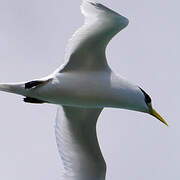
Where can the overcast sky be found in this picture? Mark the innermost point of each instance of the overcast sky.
(136, 146)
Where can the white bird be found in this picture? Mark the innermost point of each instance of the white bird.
(82, 87)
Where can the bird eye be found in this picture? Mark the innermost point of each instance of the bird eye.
(147, 97)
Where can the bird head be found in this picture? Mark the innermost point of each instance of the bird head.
(149, 109)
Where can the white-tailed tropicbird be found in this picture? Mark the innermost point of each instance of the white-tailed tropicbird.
(82, 87)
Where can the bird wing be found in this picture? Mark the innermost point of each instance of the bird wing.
(77, 143)
(86, 48)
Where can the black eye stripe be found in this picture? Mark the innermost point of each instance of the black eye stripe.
(147, 97)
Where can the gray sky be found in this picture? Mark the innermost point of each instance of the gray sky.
(33, 36)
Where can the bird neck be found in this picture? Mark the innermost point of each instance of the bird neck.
(79, 150)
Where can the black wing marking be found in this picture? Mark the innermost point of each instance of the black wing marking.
(33, 84)
(33, 100)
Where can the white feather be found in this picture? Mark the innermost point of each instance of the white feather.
(77, 143)
(86, 48)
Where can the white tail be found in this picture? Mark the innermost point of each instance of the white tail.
(17, 88)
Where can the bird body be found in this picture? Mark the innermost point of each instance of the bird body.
(86, 89)
(82, 87)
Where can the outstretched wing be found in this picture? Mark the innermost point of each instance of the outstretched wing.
(86, 49)
(77, 143)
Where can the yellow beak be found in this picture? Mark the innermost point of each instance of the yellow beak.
(155, 114)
